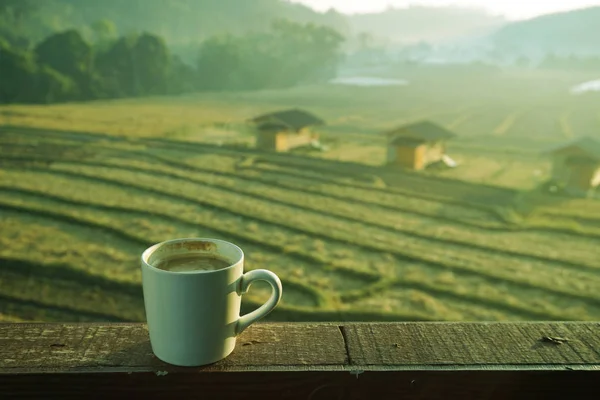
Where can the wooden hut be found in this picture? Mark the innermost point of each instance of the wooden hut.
(576, 166)
(417, 145)
(285, 130)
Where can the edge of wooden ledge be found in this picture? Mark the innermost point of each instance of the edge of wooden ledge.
(342, 347)
(348, 369)
(330, 323)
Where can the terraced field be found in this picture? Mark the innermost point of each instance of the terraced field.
(350, 241)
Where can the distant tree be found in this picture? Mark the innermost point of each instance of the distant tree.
(24, 82)
(182, 77)
(104, 33)
(365, 41)
(17, 10)
(17, 70)
(219, 63)
(52, 87)
(104, 29)
(12, 16)
(115, 66)
(571, 62)
(151, 62)
(289, 54)
(311, 52)
(67, 53)
(550, 61)
(135, 65)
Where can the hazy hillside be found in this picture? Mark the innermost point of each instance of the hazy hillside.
(569, 32)
(430, 24)
(178, 21)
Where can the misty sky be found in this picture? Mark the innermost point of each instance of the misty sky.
(513, 9)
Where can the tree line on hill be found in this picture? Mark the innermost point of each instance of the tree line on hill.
(179, 22)
(66, 67)
(571, 62)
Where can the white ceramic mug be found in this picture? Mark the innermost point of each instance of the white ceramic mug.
(194, 316)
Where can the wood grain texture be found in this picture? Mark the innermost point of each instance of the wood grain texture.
(490, 361)
(475, 345)
(39, 348)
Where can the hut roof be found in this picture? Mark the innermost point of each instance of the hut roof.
(271, 126)
(294, 119)
(422, 131)
(585, 145)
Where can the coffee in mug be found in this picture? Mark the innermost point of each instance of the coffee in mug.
(192, 296)
(193, 262)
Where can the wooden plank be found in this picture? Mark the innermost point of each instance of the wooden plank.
(489, 361)
(471, 346)
(41, 348)
(284, 346)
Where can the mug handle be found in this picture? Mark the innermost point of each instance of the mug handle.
(247, 279)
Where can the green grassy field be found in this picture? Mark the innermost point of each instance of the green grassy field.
(85, 188)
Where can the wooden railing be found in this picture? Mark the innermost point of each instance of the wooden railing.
(310, 361)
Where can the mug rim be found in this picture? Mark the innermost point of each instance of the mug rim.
(150, 250)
